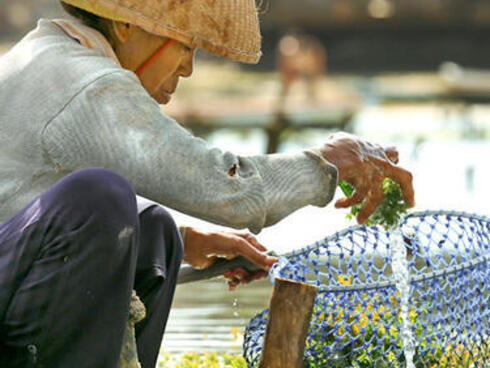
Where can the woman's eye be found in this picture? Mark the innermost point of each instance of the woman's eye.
(187, 50)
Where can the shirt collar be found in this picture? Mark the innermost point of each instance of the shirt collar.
(87, 37)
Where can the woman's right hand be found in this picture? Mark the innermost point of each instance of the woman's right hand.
(202, 248)
(365, 165)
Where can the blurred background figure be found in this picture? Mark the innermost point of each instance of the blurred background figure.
(300, 56)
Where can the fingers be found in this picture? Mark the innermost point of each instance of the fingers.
(242, 276)
(235, 277)
(373, 200)
(231, 245)
(365, 165)
(244, 248)
(247, 246)
(355, 198)
(259, 259)
(392, 154)
(252, 240)
(404, 178)
(374, 196)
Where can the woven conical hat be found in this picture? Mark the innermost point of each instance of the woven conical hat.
(228, 28)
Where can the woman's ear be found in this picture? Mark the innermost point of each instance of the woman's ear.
(122, 31)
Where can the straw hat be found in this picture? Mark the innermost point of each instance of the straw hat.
(228, 28)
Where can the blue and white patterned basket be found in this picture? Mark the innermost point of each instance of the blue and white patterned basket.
(357, 321)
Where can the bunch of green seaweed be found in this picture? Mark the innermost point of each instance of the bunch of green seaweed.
(389, 212)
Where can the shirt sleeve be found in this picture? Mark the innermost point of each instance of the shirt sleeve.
(115, 124)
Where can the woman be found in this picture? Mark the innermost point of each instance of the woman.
(76, 240)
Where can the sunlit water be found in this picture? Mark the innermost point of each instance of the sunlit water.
(206, 316)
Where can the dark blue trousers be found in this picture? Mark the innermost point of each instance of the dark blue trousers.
(68, 263)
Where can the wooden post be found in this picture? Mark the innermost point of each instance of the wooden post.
(290, 312)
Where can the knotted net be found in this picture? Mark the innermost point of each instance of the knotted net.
(357, 319)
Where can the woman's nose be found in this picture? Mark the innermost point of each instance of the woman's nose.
(187, 64)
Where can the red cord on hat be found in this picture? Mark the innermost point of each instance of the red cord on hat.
(153, 57)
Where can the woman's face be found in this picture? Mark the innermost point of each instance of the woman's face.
(161, 76)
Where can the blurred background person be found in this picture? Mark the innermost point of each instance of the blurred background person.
(300, 57)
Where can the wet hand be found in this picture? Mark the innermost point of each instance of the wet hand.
(242, 276)
(201, 249)
(365, 165)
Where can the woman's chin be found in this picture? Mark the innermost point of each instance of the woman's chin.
(162, 97)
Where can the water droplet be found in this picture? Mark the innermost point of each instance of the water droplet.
(235, 307)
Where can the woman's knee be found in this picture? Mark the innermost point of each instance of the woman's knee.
(159, 216)
(97, 192)
(157, 223)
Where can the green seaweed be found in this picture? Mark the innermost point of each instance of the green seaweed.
(389, 212)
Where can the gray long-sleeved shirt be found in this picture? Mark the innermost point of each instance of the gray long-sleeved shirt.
(64, 107)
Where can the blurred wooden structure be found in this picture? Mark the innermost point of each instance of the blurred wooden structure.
(455, 89)
(344, 13)
(360, 35)
(203, 121)
(454, 84)
(383, 35)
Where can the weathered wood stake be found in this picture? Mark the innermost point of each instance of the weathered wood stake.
(290, 312)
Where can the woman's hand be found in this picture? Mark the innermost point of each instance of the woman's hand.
(201, 249)
(365, 165)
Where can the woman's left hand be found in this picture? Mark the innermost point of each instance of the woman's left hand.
(365, 165)
(202, 248)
